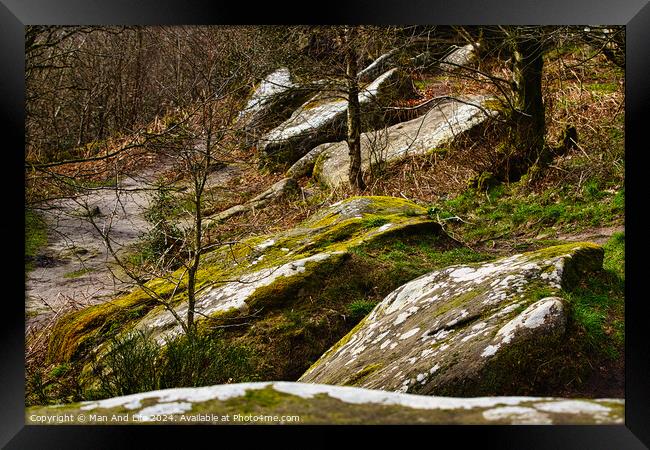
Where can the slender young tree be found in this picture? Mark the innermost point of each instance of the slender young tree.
(354, 109)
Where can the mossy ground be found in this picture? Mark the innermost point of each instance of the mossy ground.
(35, 236)
(506, 212)
(78, 273)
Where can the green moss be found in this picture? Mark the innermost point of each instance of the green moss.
(539, 292)
(597, 304)
(60, 370)
(496, 105)
(267, 398)
(438, 151)
(78, 273)
(357, 378)
(604, 88)
(458, 301)
(374, 221)
(78, 331)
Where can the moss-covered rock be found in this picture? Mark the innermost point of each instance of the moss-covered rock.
(298, 403)
(465, 330)
(285, 294)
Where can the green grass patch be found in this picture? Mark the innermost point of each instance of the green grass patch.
(598, 303)
(35, 236)
(60, 370)
(137, 363)
(506, 211)
(605, 88)
(78, 273)
(360, 308)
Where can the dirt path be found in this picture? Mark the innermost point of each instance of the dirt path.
(73, 270)
(597, 235)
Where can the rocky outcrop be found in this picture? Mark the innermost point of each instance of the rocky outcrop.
(272, 101)
(288, 258)
(323, 119)
(258, 283)
(379, 65)
(464, 330)
(455, 58)
(305, 165)
(300, 403)
(459, 57)
(425, 134)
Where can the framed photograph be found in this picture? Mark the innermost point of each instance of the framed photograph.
(378, 215)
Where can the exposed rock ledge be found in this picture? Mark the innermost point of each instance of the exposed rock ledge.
(323, 118)
(273, 402)
(425, 134)
(463, 330)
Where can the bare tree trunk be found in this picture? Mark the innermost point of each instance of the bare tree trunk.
(194, 265)
(199, 182)
(528, 120)
(200, 168)
(354, 112)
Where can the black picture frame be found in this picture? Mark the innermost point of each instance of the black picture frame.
(15, 14)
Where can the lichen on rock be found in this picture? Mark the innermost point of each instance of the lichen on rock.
(301, 403)
(449, 330)
(270, 103)
(436, 128)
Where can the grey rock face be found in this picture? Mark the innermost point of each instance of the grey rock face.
(379, 65)
(272, 101)
(450, 328)
(459, 57)
(456, 58)
(437, 128)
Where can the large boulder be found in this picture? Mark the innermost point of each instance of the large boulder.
(299, 403)
(271, 102)
(280, 293)
(379, 65)
(465, 330)
(324, 117)
(459, 57)
(455, 58)
(428, 133)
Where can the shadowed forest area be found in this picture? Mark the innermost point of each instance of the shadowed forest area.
(349, 224)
